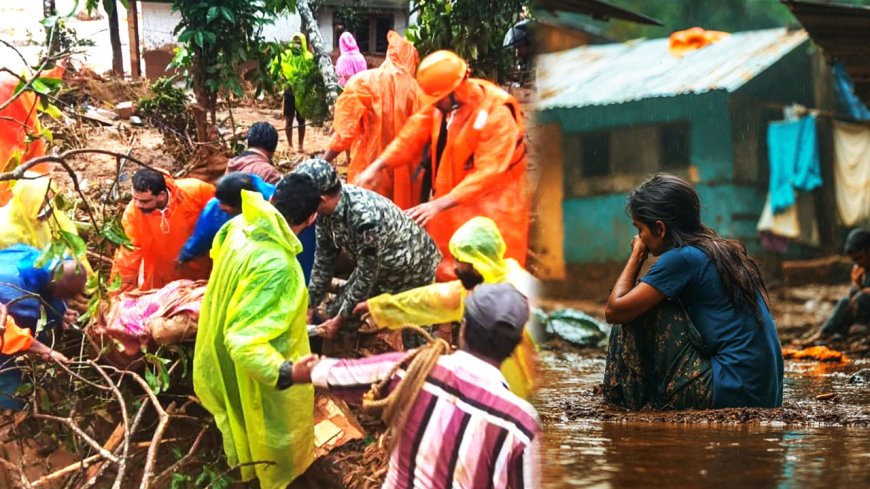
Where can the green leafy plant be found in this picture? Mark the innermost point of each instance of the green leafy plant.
(474, 29)
(216, 38)
(166, 109)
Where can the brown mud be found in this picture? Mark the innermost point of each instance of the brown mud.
(819, 438)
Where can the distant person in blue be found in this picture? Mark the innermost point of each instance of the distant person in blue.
(27, 291)
(226, 204)
(695, 332)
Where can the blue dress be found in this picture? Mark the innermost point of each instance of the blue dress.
(746, 356)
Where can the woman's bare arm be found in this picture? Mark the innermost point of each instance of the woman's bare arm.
(629, 300)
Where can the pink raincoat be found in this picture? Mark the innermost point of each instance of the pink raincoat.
(351, 60)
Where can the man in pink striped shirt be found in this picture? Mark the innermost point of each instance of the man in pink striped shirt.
(466, 428)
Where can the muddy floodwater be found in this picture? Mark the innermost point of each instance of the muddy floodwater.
(806, 444)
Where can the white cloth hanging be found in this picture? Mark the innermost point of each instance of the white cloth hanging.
(852, 172)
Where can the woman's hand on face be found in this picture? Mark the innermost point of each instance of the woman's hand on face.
(638, 248)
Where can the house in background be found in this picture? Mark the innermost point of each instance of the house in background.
(613, 115)
(369, 21)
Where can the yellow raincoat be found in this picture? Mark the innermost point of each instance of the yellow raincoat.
(253, 318)
(479, 243)
(19, 221)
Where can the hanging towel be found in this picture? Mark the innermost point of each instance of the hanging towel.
(796, 223)
(793, 152)
(852, 172)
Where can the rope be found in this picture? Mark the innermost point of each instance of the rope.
(394, 408)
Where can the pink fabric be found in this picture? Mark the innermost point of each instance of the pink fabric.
(127, 319)
(175, 298)
(351, 60)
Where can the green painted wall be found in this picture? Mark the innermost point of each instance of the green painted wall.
(597, 228)
(707, 114)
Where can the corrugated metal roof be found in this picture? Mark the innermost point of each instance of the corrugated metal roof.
(636, 70)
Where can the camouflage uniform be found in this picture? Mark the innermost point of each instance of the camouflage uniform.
(391, 252)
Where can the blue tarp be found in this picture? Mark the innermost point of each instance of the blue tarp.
(847, 102)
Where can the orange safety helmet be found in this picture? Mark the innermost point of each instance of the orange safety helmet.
(441, 73)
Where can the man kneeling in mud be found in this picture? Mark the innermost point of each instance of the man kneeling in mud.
(451, 419)
(854, 308)
(696, 331)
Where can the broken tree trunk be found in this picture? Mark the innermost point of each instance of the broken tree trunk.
(321, 55)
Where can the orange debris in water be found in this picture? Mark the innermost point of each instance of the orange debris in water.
(821, 353)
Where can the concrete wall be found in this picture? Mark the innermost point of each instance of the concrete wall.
(158, 22)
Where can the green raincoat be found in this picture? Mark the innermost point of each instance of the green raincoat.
(253, 318)
(298, 68)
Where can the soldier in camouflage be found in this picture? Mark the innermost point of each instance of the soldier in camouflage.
(391, 253)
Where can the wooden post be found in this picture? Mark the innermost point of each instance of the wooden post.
(826, 205)
(133, 33)
(321, 54)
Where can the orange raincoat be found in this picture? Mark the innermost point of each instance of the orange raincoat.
(15, 339)
(370, 112)
(159, 236)
(483, 166)
(13, 135)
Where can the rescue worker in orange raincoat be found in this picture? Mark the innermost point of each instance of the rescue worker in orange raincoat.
(158, 221)
(18, 120)
(371, 111)
(478, 156)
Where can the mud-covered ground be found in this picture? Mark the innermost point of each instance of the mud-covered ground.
(798, 312)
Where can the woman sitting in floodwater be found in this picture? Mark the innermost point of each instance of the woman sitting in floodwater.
(696, 331)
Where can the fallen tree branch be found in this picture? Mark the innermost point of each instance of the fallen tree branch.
(69, 469)
(122, 465)
(151, 459)
(78, 431)
(166, 474)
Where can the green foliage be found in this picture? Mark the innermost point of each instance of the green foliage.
(110, 231)
(166, 107)
(108, 5)
(217, 37)
(156, 373)
(474, 29)
(59, 37)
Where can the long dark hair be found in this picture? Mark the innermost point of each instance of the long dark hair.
(674, 202)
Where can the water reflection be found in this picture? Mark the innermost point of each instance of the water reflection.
(592, 453)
